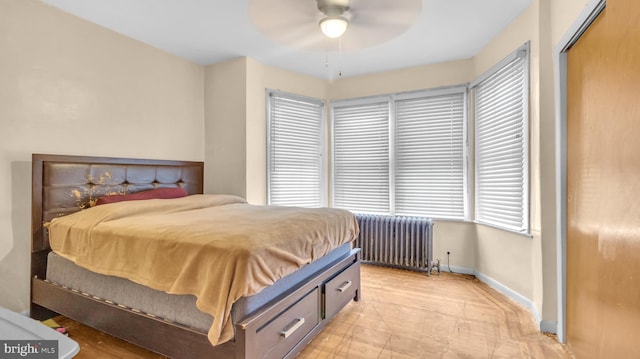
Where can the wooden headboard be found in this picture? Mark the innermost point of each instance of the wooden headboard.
(62, 185)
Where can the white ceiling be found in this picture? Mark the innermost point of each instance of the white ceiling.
(210, 31)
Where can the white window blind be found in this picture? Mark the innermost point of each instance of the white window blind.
(361, 157)
(402, 154)
(295, 147)
(430, 158)
(501, 155)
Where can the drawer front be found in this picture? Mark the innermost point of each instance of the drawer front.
(341, 289)
(279, 336)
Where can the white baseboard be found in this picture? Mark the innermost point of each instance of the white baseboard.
(457, 269)
(546, 326)
(517, 297)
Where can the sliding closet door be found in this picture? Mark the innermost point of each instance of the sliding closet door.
(603, 186)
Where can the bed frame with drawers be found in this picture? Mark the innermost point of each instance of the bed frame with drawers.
(280, 329)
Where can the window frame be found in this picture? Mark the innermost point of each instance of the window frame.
(524, 53)
(322, 181)
(391, 99)
(355, 102)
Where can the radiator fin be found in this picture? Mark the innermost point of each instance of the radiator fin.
(396, 241)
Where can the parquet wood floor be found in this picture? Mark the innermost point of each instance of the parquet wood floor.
(402, 314)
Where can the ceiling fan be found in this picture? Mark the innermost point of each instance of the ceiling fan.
(312, 24)
(336, 19)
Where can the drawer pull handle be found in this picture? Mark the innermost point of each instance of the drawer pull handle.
(344, 286)
(292, 327)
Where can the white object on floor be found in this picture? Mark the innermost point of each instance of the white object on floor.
(14, 326)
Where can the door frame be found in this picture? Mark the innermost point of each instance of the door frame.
(589, 13)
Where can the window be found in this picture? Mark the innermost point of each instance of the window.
(406, 154)
(501, 155)
(294, 150)
(361, 156)
(401, 154)
(430, 156)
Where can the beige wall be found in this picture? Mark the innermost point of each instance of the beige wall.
(512, 259)
(529, 265)
(236, 124)
(260, 78)
(225, 127)
(408, 79)
(71, 87)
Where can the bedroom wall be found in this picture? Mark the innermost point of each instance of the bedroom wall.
(403, 80)
(529, 265)
(236, 124)
(261, 77)
(71, 87)
(510, 259)
(225, 127)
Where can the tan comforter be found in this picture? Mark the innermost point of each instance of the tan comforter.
(216, 247)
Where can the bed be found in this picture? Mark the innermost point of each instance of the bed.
(275, 321)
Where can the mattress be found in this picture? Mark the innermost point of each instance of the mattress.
(176, 308)
(217, 247)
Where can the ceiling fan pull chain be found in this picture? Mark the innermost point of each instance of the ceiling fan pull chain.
(340, 57)
(326, 57)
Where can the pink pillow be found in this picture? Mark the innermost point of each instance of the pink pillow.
(162, 193)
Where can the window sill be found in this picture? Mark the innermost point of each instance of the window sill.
(524, 234)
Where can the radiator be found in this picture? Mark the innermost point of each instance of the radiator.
(396, 241)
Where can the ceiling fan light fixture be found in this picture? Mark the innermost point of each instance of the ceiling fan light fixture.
(334, 26)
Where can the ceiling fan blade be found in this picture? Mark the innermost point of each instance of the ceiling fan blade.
(289, 22)
(295, 22)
